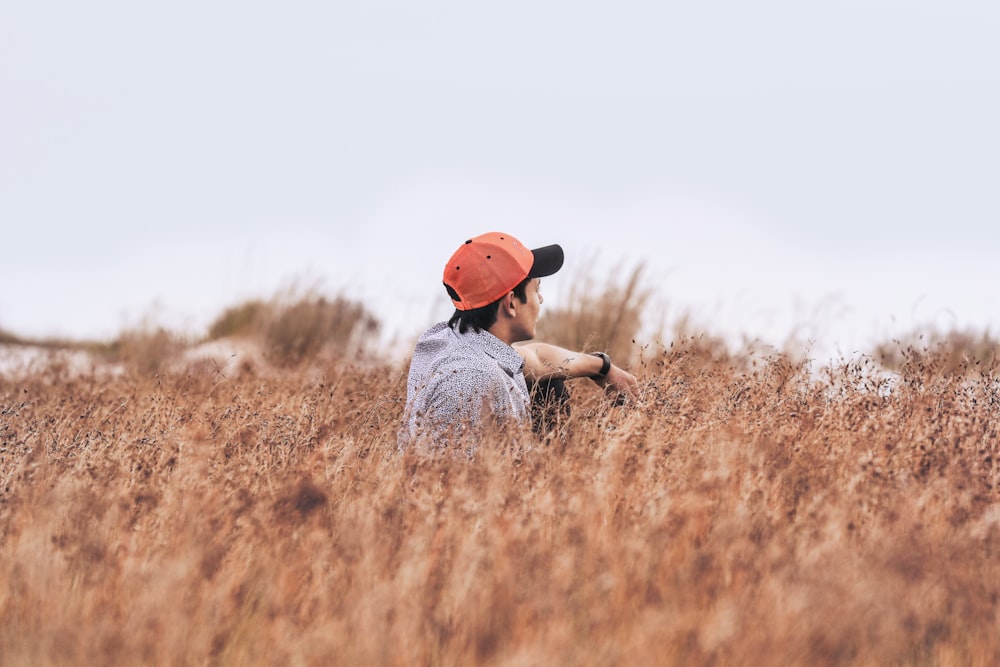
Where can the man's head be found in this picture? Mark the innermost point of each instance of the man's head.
(488, 272)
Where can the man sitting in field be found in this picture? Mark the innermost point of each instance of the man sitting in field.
(465, 373)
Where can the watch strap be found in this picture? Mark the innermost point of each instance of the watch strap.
(605, 368)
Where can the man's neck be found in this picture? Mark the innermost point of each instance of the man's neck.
(503, 333)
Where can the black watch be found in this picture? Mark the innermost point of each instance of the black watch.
(603, 373)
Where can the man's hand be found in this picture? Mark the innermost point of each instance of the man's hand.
(621, 381)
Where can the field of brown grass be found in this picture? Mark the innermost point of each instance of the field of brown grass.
(749, 511)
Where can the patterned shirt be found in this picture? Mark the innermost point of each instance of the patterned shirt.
(456, 382)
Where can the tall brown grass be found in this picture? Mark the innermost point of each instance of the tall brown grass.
(747, 511)
(947, 351)
(599, 314)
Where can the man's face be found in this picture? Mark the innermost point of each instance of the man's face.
(527, 313)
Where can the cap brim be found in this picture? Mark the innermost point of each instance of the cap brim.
(548, 260)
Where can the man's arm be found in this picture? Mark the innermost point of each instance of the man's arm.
(543, 361)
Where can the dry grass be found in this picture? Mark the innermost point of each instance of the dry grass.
(749, 511)
(736, 517)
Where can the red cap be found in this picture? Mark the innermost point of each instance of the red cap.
(486, 267)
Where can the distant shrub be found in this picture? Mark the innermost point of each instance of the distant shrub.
(310, 324)
(146, 349)
(297, 325)
(7, 338)
(238, 320)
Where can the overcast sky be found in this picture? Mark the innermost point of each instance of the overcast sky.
(830, 169)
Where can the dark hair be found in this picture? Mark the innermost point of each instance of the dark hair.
(480, 319)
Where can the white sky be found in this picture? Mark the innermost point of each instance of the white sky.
(779, 167)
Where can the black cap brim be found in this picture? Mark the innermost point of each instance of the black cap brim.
(548, 260)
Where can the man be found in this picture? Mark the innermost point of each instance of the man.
(465, 374)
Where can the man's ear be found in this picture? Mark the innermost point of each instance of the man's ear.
(508, 304)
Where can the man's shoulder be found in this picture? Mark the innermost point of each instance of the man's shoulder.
(436, 331)
(441, 353)
(445, 344)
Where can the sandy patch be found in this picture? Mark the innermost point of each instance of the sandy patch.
(228, 356)
(20, 360)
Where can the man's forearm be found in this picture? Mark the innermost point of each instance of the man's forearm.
(543, 361)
